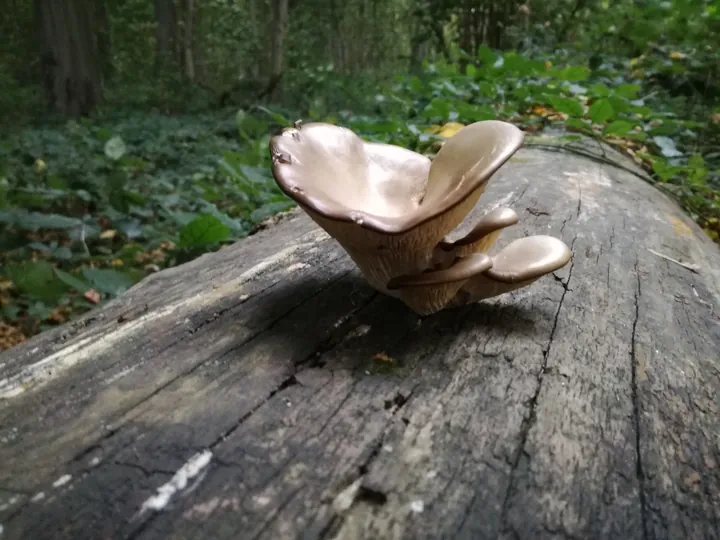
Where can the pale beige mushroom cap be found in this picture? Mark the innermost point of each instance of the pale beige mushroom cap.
(386, 188)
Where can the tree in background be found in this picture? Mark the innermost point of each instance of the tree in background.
(72, 36)
(178, 55)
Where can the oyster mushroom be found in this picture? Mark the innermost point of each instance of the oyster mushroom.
(391, 208)
(478, 276)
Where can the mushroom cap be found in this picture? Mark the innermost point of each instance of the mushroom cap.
(528, 258)
(382, 187)
(494, 220)
(463, 269)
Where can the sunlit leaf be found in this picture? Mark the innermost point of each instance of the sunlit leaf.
(115, 148)
(601, 111)
(628, 91)
(566, 105)
(203, 231)
(618, 127)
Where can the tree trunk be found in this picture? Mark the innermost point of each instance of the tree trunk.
(188, 41)
(104, 43)
(70, 58)
(279, 396)
(278, 32)
(166, 36)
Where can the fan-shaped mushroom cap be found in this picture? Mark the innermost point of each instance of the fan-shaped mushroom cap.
(519, 264)
(382, 187)
(388, 206)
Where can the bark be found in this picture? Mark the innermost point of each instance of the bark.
(70, 58)
(188, 40)
(279, 33)
(166, 35)
(242, 396)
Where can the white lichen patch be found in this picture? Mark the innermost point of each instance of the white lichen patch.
(120, 374)
(261, 500)
(190, 469)
(417, 506)
(360, 331)
(204, 510)
(64, 479)
(345, 498)
(295, 267)
(10, 503)
(38, 497)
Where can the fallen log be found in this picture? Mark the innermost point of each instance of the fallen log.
(266, 391)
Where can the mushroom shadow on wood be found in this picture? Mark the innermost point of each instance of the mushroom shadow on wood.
(487, 317)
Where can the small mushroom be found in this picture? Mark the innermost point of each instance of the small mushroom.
(519, 264)
(391, 208)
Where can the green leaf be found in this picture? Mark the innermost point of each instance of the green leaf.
(270, 209)
(620, 105)
(33, 221)
(74, 283)
(574, 73)
(108, 281)
(577, 123)
(203, 231)
(600, 90)
(487, 56)
(628, 91)
(115, 148)
(37, 280)
(601, 111)
(566, 105)
(618, 127)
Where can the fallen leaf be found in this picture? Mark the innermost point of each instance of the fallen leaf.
(108, 235)
(40, 166)
(92, 296)
(450, 129)
(715, 118)
(382, 357)
(676, 55)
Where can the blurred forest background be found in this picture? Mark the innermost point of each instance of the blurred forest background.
(134, 133)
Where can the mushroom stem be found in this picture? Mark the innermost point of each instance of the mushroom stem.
(430, 291)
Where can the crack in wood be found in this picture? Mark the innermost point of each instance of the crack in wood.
(530, 419)
(636, 407)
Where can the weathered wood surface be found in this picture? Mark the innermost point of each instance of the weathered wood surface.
(236, 396)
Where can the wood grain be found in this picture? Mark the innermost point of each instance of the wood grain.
(265, 391)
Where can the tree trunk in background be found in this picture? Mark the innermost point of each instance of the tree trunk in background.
(199, 60)
(166, 35)
(188, 41)
(104, 44)
(70, 61)
(278, 32)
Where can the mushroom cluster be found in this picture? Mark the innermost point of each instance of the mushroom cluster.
(391, 208)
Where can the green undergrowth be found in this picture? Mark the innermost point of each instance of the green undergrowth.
(89, 208)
